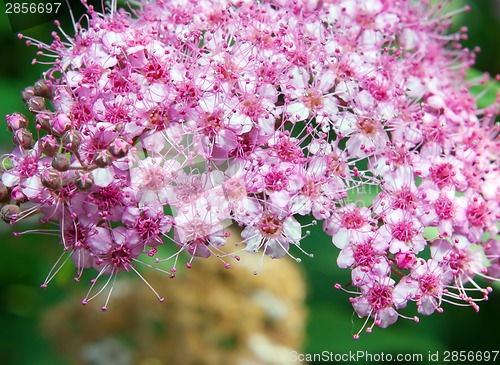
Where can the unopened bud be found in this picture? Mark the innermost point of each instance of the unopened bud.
(405, 260)
(16, 121)
(36, 104)
(103, 158)
(119, 148)
(43, 121)
(71, 140)
(23, 138)
(49, 145)
(42, 89)
(60, 162)
(4, 192)
(61, 124)
(9, 213)
(84, 182)
(18, 195)
(51, 179)
(28, 93)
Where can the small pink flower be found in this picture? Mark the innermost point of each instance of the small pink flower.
(403, 231)
(272, 233)
(151, 179)
(426, 284)
(114, 250)
(377, 301)
(349, 224)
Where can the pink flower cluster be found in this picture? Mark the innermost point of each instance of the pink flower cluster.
(164, 125)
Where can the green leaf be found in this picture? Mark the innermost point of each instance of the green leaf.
(485, 94)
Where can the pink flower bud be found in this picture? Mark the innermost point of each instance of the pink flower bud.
(23, 138)
(28, 93)
(71, 140)
(61, 124)
(9, 213)
(405, 260)
(16, 121)
(4, 192)
(49, 145)
(60, 162)
(84, 182)
(119, 148)
(42, 89)
(36, 104)
(43, 121)
(18, 195)
(103, 158)
(51, 179)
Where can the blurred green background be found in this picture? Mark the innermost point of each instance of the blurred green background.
(26, 260)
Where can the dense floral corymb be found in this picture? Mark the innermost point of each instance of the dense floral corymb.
(159, 128)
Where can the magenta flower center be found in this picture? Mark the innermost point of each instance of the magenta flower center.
(28, 166)
(107, 198)
(380, 296)
(368, 126)
(75, 236)
(147, 227)
(155, 178)
(288, 151)
(313, 99)
(476, 214)
(276, 180)
(334, 165)
(270, 225)
(429, 284)
(121, 256)
(158, 117)
(234, 189)
(442, 174)
(403, 231)
(364, 255)
(212, 124)
(444, 208)
(405, 199)
(353, 219)
(311, 188)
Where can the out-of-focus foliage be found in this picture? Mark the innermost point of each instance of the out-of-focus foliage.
(211, 315)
